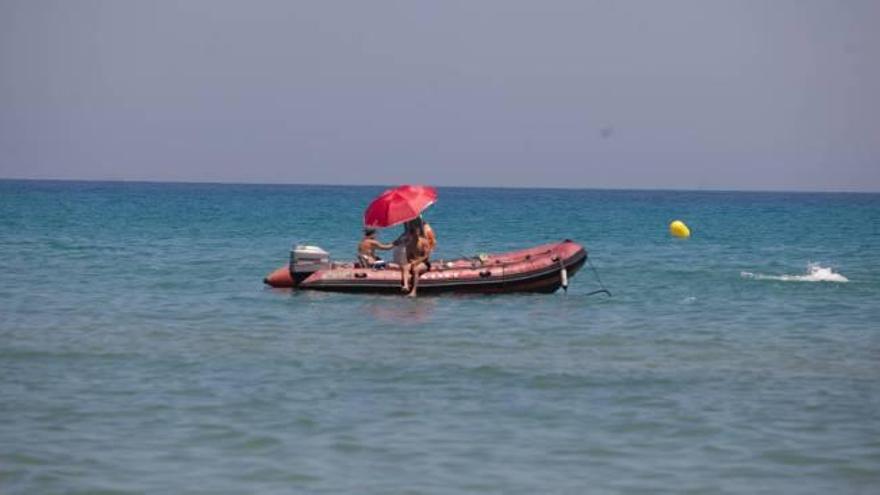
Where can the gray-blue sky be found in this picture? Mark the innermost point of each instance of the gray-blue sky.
(673, 94)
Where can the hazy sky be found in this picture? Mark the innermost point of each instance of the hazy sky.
(766, 94)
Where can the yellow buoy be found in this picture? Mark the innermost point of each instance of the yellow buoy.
(679, 229)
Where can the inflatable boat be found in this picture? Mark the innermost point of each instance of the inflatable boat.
(543, 268)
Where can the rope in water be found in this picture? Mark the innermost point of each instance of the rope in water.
(598, 279)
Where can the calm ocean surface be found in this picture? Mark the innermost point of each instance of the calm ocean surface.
(141, 353)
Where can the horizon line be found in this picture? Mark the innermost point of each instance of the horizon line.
(452, 186)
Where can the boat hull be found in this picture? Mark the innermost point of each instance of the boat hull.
(539, 269)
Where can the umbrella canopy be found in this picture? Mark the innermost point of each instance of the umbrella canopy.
(398, 205)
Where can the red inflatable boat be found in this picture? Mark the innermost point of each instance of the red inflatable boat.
(543, 268)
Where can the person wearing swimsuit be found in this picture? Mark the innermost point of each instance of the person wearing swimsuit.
(419, 264)
(367, 249)
(418, 250)
(431, 239)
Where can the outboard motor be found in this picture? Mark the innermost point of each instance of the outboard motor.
(306, 260)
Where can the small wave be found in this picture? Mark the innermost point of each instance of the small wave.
(815, 273)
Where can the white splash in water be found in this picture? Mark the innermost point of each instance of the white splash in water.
(815, 273)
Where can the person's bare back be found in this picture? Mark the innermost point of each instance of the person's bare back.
(368, 246)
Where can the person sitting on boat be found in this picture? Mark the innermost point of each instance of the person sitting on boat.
(424, 230)
(418, 251)
(429, 234)
(367, 250)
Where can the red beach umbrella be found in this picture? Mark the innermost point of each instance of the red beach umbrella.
(398, 205)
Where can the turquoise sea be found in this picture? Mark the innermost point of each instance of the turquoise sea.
(141, 353)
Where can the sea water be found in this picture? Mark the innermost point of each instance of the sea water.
(141, 353)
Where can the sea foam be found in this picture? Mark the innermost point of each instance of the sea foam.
(815, 273)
